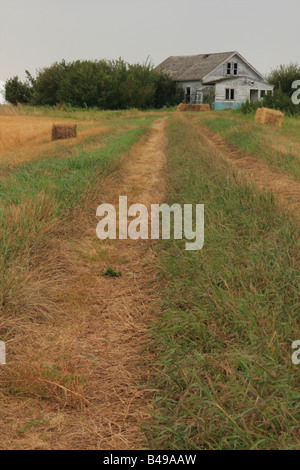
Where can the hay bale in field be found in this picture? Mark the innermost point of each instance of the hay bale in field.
(204, 107)
(193, 107)
(64, 131)
(269, 116)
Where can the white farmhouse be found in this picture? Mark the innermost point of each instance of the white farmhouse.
(226, 76)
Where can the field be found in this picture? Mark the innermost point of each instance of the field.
(123, 344)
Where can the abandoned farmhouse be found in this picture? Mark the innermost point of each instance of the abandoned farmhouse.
(226, 77)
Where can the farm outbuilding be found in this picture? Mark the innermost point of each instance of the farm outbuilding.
(225, 79)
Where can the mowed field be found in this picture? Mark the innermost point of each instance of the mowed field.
(120, 344)
(23, 138)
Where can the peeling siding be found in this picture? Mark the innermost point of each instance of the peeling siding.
(196, 88)
(241, 87)
(243, 69)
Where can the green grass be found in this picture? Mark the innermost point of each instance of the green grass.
(230, 313)
(65, 178)
(37, 198)
(90, 114)
(257, 140)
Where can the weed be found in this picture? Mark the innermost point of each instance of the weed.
(112, 273)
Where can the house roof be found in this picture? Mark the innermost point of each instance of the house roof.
(192, 67)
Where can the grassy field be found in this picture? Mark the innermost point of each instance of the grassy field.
(46, 202)
(229, 313)
(218, 351)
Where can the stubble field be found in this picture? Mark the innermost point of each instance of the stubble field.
(184, 350)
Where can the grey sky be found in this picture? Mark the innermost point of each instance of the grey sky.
(35, 33)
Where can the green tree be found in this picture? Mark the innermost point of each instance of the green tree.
(283, 76)
(106, 84)
(47, 84)
(80, 84)
(166, 92)
(17, 91)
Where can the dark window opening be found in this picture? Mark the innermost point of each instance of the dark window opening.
(235, 69)
(229, 68)
(188, 95)
(229, 94)
(262, 93)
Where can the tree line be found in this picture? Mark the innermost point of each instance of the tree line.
(283, 78)
(112, 84)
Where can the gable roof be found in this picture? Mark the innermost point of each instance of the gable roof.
(193, 67)
(197, 67)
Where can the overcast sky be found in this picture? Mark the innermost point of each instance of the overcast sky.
(36, 33)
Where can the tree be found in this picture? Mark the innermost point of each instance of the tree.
(106, 84)
(283, 76)
(80, 84)
(47, 84)
(166, 92)
(17, 92)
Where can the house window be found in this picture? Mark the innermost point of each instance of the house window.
(188, 95)
(262, 93)
(229, 94)
(254, 95)
(232, 68)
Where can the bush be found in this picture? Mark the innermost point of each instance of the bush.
(17, 91)
(104, 84)
(278, 100)
(281, 101)
(282, 78)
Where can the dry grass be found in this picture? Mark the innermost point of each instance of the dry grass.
(23, 138)
(269, 116)
(9, 110)
(193, 107)
(16, 131)
(75, 337)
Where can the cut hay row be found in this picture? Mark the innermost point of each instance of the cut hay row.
(223, 338)
(193, 107)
